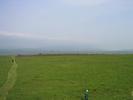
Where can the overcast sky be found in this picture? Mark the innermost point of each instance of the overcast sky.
(102, 24)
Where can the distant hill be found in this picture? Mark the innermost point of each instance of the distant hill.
(30, 51)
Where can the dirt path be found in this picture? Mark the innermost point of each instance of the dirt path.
(132, 93)
(10, 82)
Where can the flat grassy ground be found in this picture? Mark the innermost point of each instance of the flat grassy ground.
(65, 77)
(5, 65)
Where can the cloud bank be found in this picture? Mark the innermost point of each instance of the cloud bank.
(51, 38)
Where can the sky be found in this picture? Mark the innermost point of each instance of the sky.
(66, 24)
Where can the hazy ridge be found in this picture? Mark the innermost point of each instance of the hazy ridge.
(59, 51)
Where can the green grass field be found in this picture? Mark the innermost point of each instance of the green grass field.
(65, 77)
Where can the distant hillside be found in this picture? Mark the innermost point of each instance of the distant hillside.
(50, 51)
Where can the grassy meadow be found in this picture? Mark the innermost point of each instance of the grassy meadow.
(5, 65)
(65, 77)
